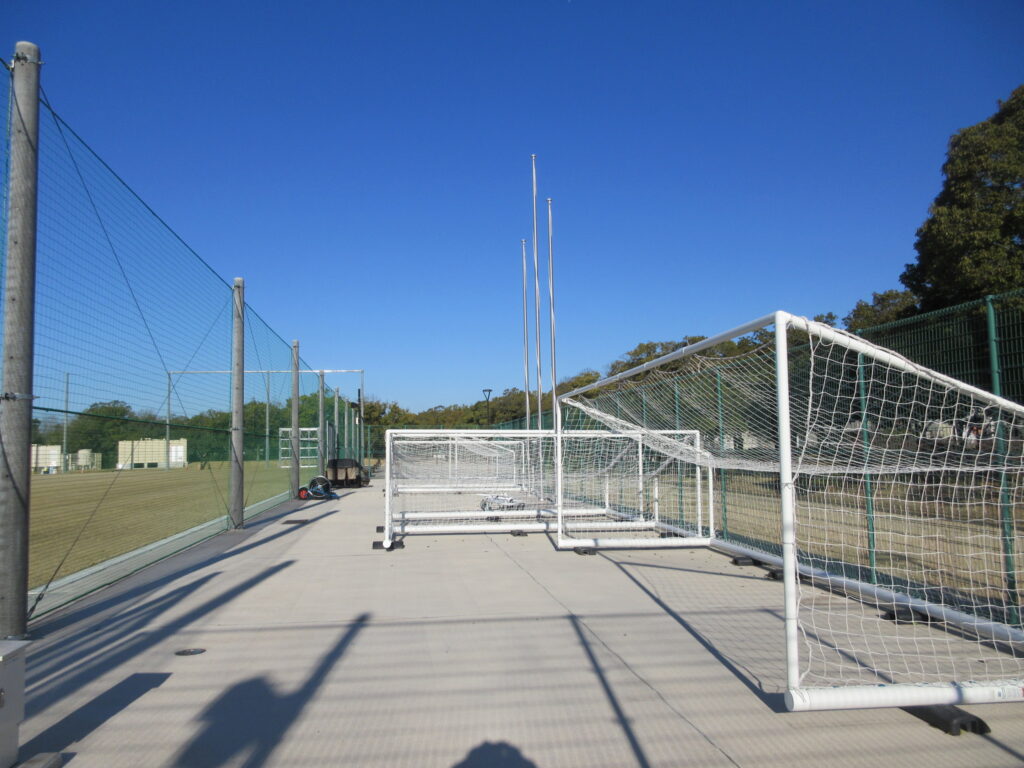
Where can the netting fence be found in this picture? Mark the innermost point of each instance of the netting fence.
(980, 342)
(130, 441)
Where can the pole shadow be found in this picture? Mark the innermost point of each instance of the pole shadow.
(84, 644)
(114, 648)
(774, 701)
(613, 701)
(253, 717)
(95, 608)
(91, 715)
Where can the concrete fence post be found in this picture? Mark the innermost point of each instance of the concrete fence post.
(295, 419)
(238, 406)
(18, 341)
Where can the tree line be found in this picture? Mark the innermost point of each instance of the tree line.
(101, 426)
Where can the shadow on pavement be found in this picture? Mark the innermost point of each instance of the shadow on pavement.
(774, 701)
(73, 669)
(613, 700)
(91, 715)
(209, 552)
(497, 755)
(253, 717)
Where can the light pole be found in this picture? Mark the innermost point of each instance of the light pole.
(487, 397)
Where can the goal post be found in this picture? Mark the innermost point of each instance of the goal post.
(602, 488)
(467, 481)
(620, 489)
(887, 494)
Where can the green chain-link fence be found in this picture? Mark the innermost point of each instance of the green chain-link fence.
(980, 342)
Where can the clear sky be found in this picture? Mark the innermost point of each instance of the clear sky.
(366, 165)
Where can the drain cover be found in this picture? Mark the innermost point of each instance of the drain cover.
(190, 652)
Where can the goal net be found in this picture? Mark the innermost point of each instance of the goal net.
(622, 489)
(887, 494)
(466, 481)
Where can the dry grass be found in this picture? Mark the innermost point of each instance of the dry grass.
(110, 513)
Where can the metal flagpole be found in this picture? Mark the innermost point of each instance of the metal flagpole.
(320, 426)
(294, 474)
(536, 295)
(335, 443)
(556, 410)
(526, 340)
(551, 315)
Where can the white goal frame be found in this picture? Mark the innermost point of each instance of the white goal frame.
(842, 595)
(798, 696)
(548, 517)
(669, 536)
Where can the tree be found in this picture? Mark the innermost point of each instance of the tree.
(647, 351)
(884, 307)
(100, 427)
(972, 243)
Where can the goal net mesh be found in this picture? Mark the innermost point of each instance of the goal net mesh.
(448, 481)
(904, 480)
(623, 488)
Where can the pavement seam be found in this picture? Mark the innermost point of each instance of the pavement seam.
(622, 661)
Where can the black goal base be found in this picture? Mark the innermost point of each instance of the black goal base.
(950, 719)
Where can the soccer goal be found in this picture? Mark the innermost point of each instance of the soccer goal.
(593, 487)
(619, 489)
(888, 495)
(468, 481)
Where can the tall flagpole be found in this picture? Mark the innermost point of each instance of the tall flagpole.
(557, 412)
(551, 319)
(526, 340)
(536, 295)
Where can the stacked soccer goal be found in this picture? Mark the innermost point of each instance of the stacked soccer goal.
(887, 494)
(467, 481)
(594, 487)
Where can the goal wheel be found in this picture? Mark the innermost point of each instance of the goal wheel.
(303, 493)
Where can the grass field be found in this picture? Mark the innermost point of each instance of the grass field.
(928, 532)
(93, 516)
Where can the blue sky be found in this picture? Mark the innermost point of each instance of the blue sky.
(367, 165)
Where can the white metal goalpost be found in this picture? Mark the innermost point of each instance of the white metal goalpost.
(607, 488)
(882, 490)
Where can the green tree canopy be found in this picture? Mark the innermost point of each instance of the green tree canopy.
(883, 308)
(972, 243)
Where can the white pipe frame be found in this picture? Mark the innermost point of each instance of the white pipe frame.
(843, 697)
(788, 506)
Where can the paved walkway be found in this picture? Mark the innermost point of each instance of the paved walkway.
(465, 651)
